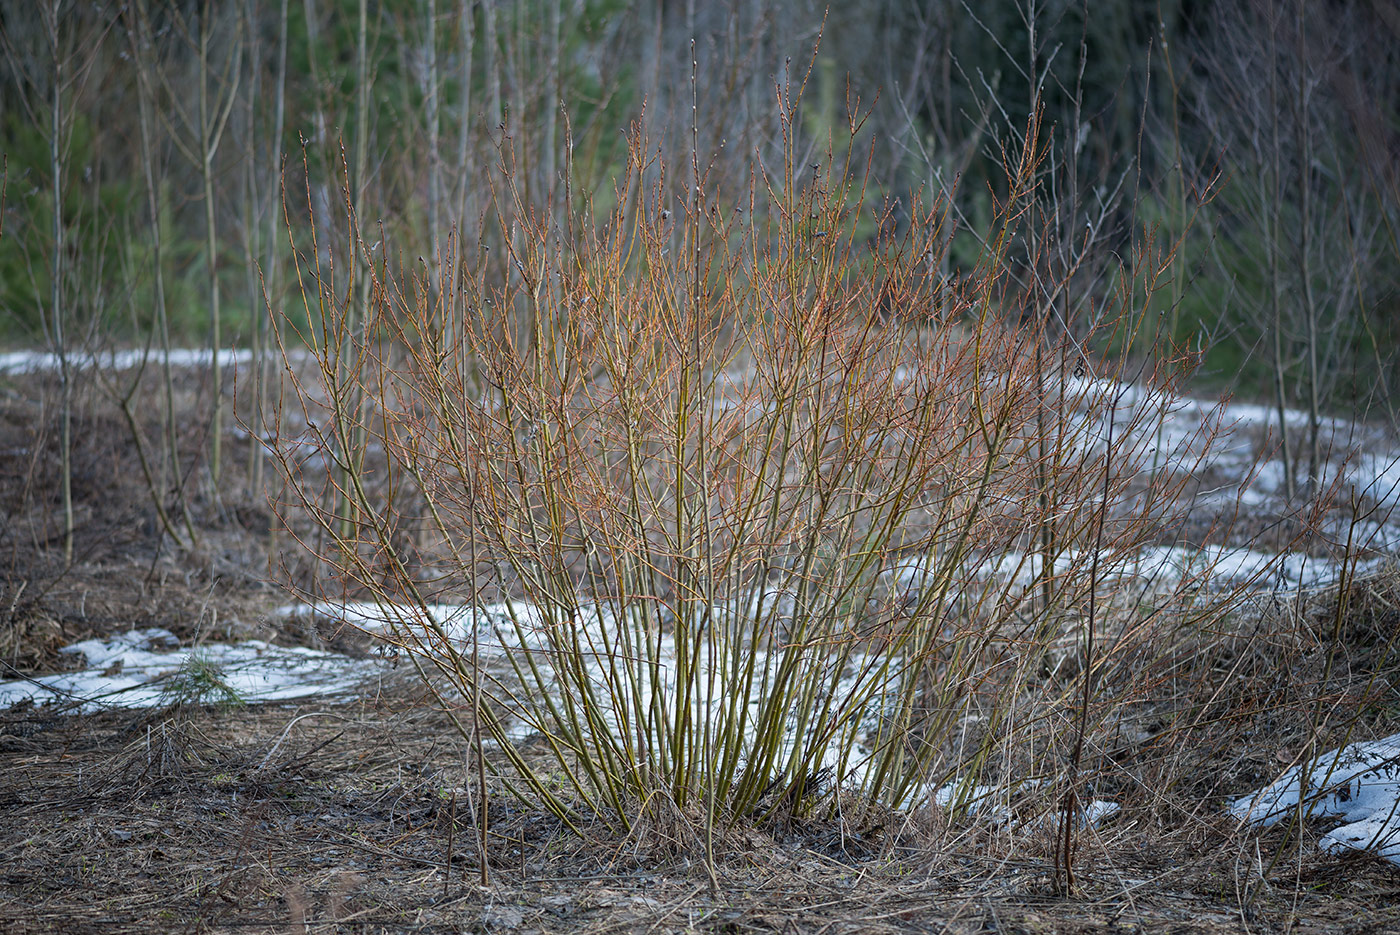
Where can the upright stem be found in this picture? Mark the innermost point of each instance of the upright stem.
(270, 265)
(56, 311)
(1272, 243)
(361, 105)
(251, 205)
(466, 22)
(211, 245)
(491, 66)
(359, 306)
(549, 171)
(170, 463)
(434, 163)
(704, 551)
(1305, 248)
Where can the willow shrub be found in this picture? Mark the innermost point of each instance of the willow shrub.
(730, 507)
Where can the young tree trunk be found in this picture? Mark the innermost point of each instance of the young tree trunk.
(213, 118)
(491, 65)
(211, 250)
(143, 52)
(434, 163)
(464, 164)
(56, 311)
(356, 246)
(1273, 244)
(1303, 129)
(549, 170)
(270, 270)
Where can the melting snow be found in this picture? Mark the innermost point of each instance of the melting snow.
(146, 668)
(993, 800)
(1359, 783)
(18, 362)
(1211, 567)
(606, 646)
(1378, 477)
(521, 627)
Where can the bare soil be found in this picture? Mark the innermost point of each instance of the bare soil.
(251, 820)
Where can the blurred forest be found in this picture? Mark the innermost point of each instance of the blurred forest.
(158, 154)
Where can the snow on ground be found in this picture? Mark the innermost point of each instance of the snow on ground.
(993, 800)
(643, 686)
(1377, 477)
(1156, 567)
(21, 362)
(1193, 434)
(1358, 784)
(604, 645)
(1224, 566)
(147, 668)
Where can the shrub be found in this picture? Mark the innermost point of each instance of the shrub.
(735, 510)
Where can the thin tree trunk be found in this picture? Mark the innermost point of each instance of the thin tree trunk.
(464, 167)
(549, 171)
(361, 284)
(361, 108)
(434, 163)
(169, 472)
(213, 118)
(1272, 244)
(1305, 248)
(56, 272)
(271, 278)
(492, 66)
(517, 66)
(251, 207)
(211, 248)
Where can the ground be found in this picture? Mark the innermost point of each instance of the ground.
(339, 817)
(358, 813)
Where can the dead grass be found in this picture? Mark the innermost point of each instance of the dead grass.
(124, 822)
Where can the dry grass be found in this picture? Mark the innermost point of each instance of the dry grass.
(121, 822)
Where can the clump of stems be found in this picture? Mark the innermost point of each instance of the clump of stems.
(743, 504)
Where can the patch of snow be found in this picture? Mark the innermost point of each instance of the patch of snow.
(993, 800)
(146, 668)
(618, 701)
(1268, 478)
(1100, 810)
(1022, 569)
(22, 362)
(1375, 535)
(1214, 567)
(1174, 432)
(1359, 783)
(1250, 415)
(1227, 566)
(1377, 476)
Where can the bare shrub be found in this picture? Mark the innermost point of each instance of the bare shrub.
(730, 508)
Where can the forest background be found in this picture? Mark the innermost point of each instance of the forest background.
(155, 152)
